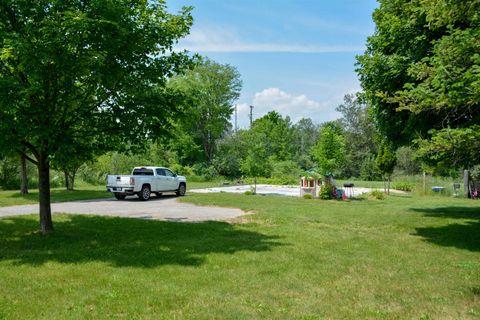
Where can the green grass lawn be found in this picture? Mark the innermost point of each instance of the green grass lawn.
(400, 258)
(13, 198)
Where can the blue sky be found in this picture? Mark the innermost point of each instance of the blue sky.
(295, 56)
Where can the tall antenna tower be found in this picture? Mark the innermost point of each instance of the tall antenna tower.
(236, 118)
(251, 116)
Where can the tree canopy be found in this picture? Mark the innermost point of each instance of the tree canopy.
(330, 148)
(211, 89)
(96, 69)
(421, 70)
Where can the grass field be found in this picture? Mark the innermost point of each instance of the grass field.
(85, 192)
(12, 198)
(400, 258)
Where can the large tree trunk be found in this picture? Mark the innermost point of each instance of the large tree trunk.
(23, 176)
(46, 225)
(65, 173)
(466, 184)
(72, 181)
(388, 190)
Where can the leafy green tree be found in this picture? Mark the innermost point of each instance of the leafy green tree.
(70, 157)
(451, 148)
(401, 39)
(386, 160)
(421, 70)
(227, 161)
(330, 148)
(277, 134)
(304, 137)
(360, 135)
(211, 90)
(407, 161)
(94, 69)
(256, 163)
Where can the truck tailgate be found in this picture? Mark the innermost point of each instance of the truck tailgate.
(118, 181)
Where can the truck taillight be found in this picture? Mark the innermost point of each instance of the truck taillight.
(132, 181)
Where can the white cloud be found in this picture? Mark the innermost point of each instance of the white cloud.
(223, 40)
(294, 106)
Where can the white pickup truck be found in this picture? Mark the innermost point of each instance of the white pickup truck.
(144, 181)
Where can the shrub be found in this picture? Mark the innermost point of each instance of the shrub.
(327, 192)
(375, 194)
(249, 193)
(307, 196)
(404, 186)
(181, 170)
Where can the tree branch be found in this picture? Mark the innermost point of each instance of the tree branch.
(22, 153)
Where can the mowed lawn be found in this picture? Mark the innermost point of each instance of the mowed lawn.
(14, 198)
(400, 258)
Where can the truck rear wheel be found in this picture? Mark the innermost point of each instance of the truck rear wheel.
(144, 193)
(120, 196)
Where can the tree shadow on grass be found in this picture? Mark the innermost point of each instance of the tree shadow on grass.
(125, 242)
(464, 235)
(450, 212)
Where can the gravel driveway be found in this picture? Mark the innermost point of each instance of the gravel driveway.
(163, 208)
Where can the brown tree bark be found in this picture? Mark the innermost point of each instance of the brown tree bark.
(466, 184)
(388, 192)
(23, 175)
(67, 182)
(46, 225)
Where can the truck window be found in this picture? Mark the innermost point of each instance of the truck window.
(143, 172)
(160, 172)
(168, 173)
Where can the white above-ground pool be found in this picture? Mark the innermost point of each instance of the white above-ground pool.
(267, 189)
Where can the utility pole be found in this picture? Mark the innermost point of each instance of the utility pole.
(235, 118)
(251, 116)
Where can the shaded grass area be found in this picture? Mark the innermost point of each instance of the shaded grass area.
(13, 198)
(401, 258)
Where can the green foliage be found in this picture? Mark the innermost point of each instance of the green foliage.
(375, 194)
(407, 161)
(92, 71)
(211, 89)
(285, 169)
(276, 133)
(404, 186)
(369, 170)
(256, 164)
(227, 160)
(421, 71)
(249, 193)
(451, 148)
(307, 196)
(386, 159)
(326, 192)
(475, 173)
(304, 136)
(360, 135)
(402, 38)
(330, 148)
(181, 170)
(92, 68)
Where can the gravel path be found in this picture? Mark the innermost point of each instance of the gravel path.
(163, 208)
